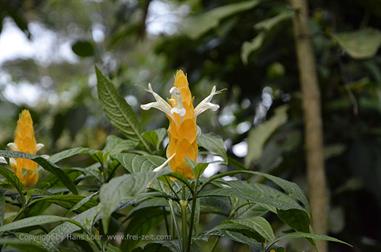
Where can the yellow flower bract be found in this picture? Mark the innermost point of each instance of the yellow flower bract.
(25, 169)
(182, 131)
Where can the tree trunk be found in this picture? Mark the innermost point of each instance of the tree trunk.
(312, 121)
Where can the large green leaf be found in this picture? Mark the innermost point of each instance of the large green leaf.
(265, 27)
(256, 224)
(292, 189)
(115, 145)
(298, 235)
(32, 221)
(66, 201)
(155, 137)
(214, 144)
(118, 111)
(69, 153)
(137, 163)
(25, 242)
(360, 44)
(198, 25)
(258, 193)
(13, 180)
(123, 190)
(61, 232)
(259, 135)
(44, 163)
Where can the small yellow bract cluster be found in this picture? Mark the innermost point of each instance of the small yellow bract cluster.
(182, 116)
(26, 170)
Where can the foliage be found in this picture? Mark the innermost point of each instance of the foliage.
(246, 47)
(152, 202)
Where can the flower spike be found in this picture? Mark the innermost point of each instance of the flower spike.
(182, 130)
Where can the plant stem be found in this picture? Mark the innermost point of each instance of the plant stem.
(183, 206)
(312, 120)
(194, 202)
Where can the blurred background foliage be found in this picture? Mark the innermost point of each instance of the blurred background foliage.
(49, 48)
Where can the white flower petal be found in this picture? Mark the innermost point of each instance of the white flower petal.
(206, 104)
(157, 169)
(2, 160)
(12, 162)
(40, 146)
(180, 111)
(12, 147)
(159, 104)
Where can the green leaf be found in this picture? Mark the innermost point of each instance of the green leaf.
(360, 44)
(66, 201)
(31, 244)
(115, 145)
(199, 169)
(258, 193)
(298, 235)
(259, 135)
(199, 25)
(214, 144)
(270, 23)
(136, 163)
(155, 137)
(252, 46)
(13, 180)
(265, 26)
(139, 225)
(47, 165)
(291, 188)
(69, 153)
(118, 111)
(255, 224)
(295, 218)
(61, 232)
(121, 191)
(83, 48)
(32, 221)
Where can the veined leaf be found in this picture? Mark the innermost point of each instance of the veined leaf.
(214, 144)
(115, 145)
(32, 221)
(258, 193)
(32, 243)
(46, 164)
(66, 201)
(13, 180)
(198, 25)
(155, 137)
(256, 224)
(69, 153)
(298, 235)
(121, 191)
(118, 111)
(360, 44)
(137, 163)
(61, 232)
(259, 135)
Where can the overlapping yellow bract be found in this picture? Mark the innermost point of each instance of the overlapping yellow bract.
(182, 116)
(25, 169)
(182, 131)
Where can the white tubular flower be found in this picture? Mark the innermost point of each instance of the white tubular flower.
(12, 146)
(206, 104)
(178, 109)
(159, 104)
(158, 169)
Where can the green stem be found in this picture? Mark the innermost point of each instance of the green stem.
(194, 199)
(183, 206)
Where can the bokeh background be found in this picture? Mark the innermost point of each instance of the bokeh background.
(48, 49)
